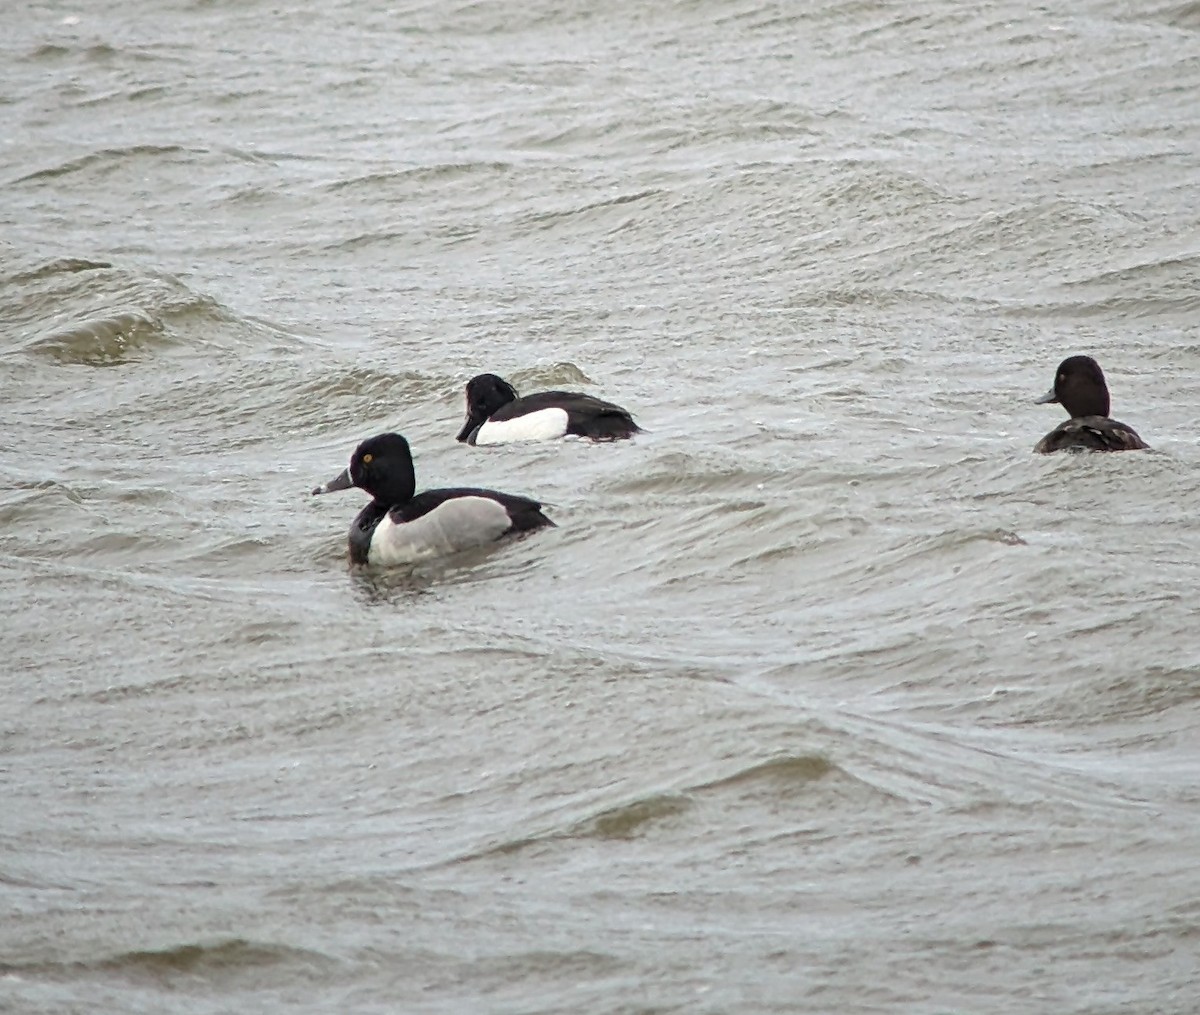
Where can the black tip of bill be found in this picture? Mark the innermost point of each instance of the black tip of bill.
(341, 481)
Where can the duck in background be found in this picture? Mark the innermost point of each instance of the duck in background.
(401, 526)
(1080, 388)
(496, 414)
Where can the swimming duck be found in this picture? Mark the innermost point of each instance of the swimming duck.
(400, 526)
(497, 415)
(1079, 385)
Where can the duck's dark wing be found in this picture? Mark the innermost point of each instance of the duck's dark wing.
(1091, 433)
(523, 512)
(587, 416)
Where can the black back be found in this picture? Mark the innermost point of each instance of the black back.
(1091, 433)
(587, 416)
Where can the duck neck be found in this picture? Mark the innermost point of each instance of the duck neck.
(363, 529)
(1087, 403)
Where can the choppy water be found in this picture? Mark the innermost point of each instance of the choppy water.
(826, 695)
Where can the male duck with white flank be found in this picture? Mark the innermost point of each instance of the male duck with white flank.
(497, 415)
(401, 526)
(1079, 385)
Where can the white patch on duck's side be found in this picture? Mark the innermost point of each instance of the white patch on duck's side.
(542, 425)
(455, 524)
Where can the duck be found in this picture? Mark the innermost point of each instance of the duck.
(1080, 388)
(496, 414)
(401, 526)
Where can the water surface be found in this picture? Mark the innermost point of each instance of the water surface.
(826, 694)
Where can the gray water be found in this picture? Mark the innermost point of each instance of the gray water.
(826, 694)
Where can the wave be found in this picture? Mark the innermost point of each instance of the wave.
(57, 266)
(603, 208)
(81, 311)
(627, 821)
(782, 777)
(224, 957)
(1093, 699)
(102, 342)
(105, 158)
(127, 158)
(94, 52)
(376, 184)
(1184, 16)
(1158, 288)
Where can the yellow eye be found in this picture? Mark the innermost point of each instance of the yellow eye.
(367, 459)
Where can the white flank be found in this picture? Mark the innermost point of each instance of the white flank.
(453, 525)
(543, 425)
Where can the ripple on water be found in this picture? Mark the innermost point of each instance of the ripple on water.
(232, 959)
(75, 311)
(105, 161)
(104, 341)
